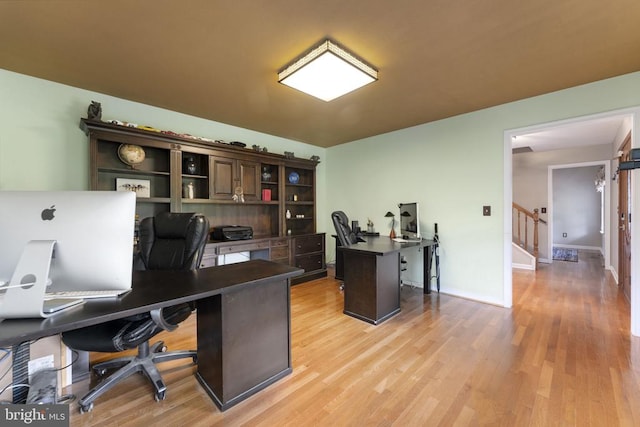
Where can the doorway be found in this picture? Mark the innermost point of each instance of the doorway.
(632, 116)
(579, 215)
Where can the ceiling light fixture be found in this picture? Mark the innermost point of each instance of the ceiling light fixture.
(327, 72)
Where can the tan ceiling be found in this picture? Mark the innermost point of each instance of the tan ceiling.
(219, 59)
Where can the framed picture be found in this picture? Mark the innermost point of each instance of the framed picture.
(142, 187)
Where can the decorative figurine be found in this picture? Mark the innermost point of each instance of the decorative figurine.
(288, 154)
(94, 112)
(238, 197)
(266, 173)
(315, 158)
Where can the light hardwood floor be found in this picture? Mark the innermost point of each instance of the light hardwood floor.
(563, 355)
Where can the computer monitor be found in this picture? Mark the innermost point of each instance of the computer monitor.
(409, 221)
(93, 233)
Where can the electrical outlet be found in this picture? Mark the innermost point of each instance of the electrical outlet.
(564, 234)
(39, 364)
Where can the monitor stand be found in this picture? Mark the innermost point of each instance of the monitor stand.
(24, 297)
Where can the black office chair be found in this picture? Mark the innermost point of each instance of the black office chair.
(168, 241)
(346, 236)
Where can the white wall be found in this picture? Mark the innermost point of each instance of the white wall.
(576, 208)
(453, 167)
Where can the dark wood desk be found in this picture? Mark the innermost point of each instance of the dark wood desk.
(371, 272)
(244, 322)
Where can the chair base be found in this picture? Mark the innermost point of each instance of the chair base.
(145, 362)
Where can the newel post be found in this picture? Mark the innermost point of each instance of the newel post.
(535, 234)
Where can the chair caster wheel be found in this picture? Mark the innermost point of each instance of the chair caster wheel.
(160, 396)
(100, 372)
(86, 408)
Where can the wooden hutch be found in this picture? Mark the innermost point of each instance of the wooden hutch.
(284, 227)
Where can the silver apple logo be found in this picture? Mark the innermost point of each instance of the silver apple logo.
(48, 214)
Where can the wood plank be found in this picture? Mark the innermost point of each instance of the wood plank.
(563, 355)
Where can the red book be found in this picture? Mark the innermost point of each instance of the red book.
(266, 195)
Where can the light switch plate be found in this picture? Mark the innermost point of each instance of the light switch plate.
(486, 210)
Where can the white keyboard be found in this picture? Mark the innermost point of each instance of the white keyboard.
(84, 294)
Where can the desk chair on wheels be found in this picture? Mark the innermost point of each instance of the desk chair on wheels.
(168, 241)
(346, 236)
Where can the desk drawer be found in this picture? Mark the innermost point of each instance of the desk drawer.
(309, 244)
(279, 242)
(310, 262)
(246, 247)
(280, 252)
(208, 260)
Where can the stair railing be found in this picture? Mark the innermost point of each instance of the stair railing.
(523, 221)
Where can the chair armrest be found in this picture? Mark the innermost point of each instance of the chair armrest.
(159, 320)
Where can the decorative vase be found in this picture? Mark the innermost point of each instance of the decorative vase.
(190, 165)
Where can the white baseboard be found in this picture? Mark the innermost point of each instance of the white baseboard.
(523, 266)
(470, 296)
(587, 248)
(614, 273)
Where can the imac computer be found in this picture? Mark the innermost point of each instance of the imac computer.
(81, 241)
(409, 221)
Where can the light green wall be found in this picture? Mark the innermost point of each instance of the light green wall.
(453, 167)
(43, 148)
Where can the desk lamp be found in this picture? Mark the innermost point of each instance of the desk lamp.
(392, 235)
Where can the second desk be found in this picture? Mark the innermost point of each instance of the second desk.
(371, 273)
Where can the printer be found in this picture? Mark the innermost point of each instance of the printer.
(232, 232)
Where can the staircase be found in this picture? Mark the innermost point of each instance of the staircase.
(525, 237)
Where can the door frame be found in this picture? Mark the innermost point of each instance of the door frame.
(508, 135)
(624, 258)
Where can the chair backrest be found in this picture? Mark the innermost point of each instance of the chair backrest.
(173, 241)
(346, 236)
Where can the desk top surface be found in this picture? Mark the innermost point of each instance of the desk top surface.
(384, 245)
(150, 290)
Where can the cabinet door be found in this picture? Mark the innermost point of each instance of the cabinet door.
(249, 179)
(227, 174)
(222, 177)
